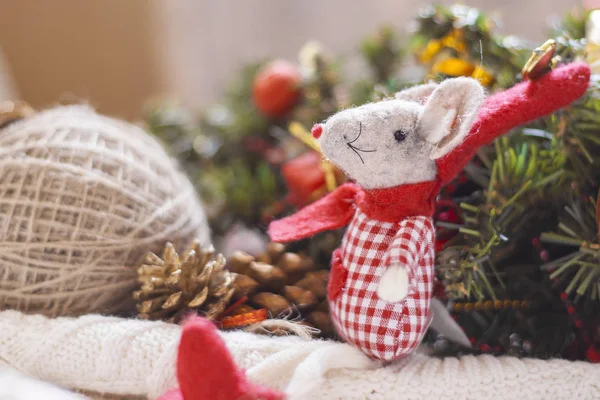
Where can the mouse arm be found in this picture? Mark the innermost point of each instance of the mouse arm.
(412, 243)
(328, 213)
(524, 102)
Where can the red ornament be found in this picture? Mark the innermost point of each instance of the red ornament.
(276, 88)
(593, 355)
(303, 176)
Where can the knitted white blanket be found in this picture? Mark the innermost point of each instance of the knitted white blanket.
(129, 357)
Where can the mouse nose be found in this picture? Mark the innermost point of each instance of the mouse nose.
(317, 130)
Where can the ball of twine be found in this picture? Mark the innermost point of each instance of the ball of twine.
(83, 198)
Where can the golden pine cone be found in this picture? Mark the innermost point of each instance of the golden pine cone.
(173, 286)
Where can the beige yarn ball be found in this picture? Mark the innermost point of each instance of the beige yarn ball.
(83, 198)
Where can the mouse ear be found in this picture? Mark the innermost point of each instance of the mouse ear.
(418, 93)
(449, 113)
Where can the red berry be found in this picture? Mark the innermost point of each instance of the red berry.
(484, 347)
(472, 340)
(443, 216)
(276, 88)
(571, 310)
(535, 241)
(303, 176)
(579, 323)
(592, 354)
(563, 296)
(452, 216)
(544, 255)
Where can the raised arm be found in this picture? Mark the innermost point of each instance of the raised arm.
(524, 102)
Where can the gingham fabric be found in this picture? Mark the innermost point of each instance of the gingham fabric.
(383, 330)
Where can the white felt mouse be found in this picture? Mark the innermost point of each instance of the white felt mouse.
(399, 152)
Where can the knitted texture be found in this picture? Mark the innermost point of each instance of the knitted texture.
(83, 198)
(15, 386)
(128, 357)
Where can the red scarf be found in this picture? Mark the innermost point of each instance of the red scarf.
(337, 209)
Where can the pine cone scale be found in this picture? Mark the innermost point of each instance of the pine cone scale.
(175, 285)
(284, 283)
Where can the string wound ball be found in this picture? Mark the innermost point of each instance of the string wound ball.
(83, 198)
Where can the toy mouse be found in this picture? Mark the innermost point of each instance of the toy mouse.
(400, 152)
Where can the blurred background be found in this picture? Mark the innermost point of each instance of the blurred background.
(116, 54)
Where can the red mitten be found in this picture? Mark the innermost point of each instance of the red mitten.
(206, 370)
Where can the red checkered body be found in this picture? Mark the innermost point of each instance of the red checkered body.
(383, 330)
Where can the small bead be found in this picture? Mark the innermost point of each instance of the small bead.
(563, 296)
(444, 216)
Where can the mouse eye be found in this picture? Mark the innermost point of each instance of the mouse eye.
(399, 135)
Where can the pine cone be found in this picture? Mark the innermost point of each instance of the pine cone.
(172, 286)
(285, 283)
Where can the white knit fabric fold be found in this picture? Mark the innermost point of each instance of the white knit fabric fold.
(15, 386)
(130, 357)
